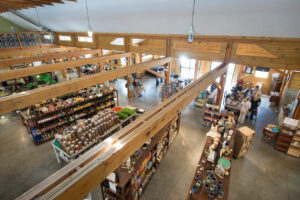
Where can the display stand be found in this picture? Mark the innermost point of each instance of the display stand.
(62, 155)
(286, 135)
(211, 113)
(130, 179)
(217, 187)
(43, 127)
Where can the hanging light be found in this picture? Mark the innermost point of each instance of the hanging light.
(38, 18)
(191, 31)
(90, 30)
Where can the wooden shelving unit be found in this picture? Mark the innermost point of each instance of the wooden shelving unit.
(285, 137)
(211, 113)
(43, 126)
(294, 148)
(130, 183)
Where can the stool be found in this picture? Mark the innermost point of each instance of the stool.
(268, 135)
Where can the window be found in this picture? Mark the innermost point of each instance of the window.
(65, 38)
(213, 66)
(47, 37)
(229, 76)
(262, 72)
(118, 41)
(147, 57)
(85, 39)
(187, 68)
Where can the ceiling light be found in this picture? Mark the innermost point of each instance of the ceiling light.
(90, 31)
(191, 31)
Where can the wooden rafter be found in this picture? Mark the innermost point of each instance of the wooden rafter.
(9, 62)
(31, 97)
(7, 5)
(24, 72)
(35, 51)
(74, 181)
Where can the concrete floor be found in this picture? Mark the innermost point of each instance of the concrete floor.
(263, 173)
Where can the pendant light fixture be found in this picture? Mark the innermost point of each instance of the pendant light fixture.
(38, 18)
(90, 31)
(191, 30)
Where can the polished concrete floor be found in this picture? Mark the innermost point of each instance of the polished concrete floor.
(263, 173)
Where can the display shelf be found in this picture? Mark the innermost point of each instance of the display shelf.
(211, 113)
(201, 193)
(286, 136)
(142, 167)
(45, 124)
(67, 157)
(294, 148)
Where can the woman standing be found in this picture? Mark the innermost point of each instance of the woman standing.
(243, 111)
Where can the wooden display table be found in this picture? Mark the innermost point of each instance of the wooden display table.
(201, 193)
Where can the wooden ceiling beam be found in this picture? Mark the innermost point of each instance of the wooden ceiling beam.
(30, 71)
(21, 100)
(21, 4)
(31, 52)
(9, 62)
(77, 179)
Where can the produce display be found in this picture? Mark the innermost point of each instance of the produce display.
(125, 113)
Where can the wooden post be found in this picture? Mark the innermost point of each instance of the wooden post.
(284, 85)
(221, 91)
(19, 41)
(196, 70)
(80, 74)
(64, 73)
(40, 41)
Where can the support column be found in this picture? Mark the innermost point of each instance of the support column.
(283, 85)
(80, 74)
(221, 91)
(64, 73)
(130, 93)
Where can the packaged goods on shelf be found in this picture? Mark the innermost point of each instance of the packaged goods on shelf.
(130, 180)
(212, 176)
(78, 138)
(52, 116)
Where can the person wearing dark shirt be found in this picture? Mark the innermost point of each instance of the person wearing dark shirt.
(255, 102)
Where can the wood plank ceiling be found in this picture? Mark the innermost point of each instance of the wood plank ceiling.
(6, 5)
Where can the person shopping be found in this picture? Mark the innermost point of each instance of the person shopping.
(255, 102)
(243, 111)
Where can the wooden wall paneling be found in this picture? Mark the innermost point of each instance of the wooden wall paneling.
(197, 65)
(31, 97)
(105, 157)
(250, 78)
(106, 43)
(204, 67)
(294, 83)
(253, 51)
(199, 50)
(6, 63)
(23, 72)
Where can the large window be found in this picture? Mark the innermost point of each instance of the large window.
(229, 76)
(213, 66)
(187, 68)
(64, 38)
(262, 72)
(85, 39)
